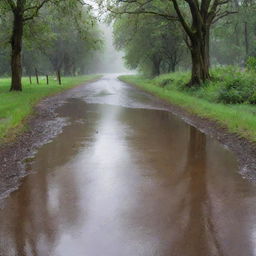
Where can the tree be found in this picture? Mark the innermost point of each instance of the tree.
(151, 44)
(23, 11)
(198, 33)
(232, 39)
(195, 17)
(60, 38)
(70, 45)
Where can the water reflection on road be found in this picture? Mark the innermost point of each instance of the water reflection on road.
(126, 178)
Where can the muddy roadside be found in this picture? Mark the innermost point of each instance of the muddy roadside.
(43, 126)
(244, 150)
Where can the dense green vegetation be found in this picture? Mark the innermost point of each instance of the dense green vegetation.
(228, 85)
(158, 37)
(208, 100)
(161, 40)
(16, 107)
(196, 21)
(47, 36)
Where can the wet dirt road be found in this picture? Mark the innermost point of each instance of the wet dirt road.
(128, 178)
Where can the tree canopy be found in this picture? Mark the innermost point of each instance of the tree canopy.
(59, 32)
(195, 19)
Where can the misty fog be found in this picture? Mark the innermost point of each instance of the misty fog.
(109, 60)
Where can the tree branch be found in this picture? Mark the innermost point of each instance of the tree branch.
(181, 18)
(35, 10)
(222, 15)
(11, 4)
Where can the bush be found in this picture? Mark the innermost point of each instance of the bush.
(252, 98)
(165, 82)
(251, 63)
(229, 84)
(238, 90)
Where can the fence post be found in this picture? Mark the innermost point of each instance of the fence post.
(59, 77)
(37, 80)
(30, 80)
(47, 79)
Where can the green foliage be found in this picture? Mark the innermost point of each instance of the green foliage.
(70, 45)
(16, 106)
(235, 86)
(64, 35)
(229, 85)
(251, 63)
(151, 43)
(233, 37)
(237, 91)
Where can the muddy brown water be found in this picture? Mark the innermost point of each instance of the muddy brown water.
(128, 178)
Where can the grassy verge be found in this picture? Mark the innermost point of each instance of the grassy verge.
(237, 118)
(15, 107)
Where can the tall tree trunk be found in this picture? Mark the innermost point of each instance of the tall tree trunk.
(200, 59)
(246, 39)
(156, 61)
(16, 45)
(203, 14)
(173, 62)
(171, 67)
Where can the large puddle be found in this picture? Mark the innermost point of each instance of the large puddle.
(127, 178)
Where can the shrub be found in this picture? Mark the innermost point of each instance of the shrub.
(252, 98)
(229, 84)
(251, 63)
(238, 90)
(165, 82)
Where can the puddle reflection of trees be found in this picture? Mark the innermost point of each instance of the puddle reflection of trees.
(198, 237)
(172, 199)
(47, 203)
(32, 227)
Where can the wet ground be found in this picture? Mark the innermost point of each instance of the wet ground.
(128, 178)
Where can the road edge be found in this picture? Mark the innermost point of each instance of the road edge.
(42, 126)
(244, 150)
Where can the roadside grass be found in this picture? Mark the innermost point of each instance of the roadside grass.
(237, 118)
(15, 107)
